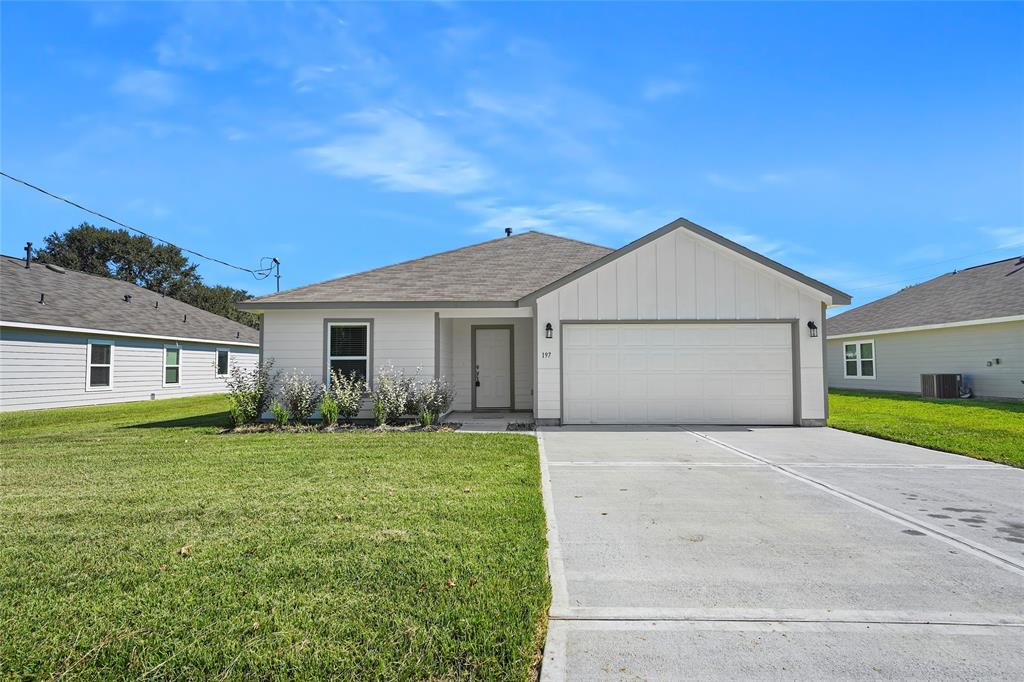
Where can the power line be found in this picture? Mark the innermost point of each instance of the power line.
(921, 267)
(261, 273)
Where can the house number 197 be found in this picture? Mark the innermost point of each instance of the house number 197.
(546, 354)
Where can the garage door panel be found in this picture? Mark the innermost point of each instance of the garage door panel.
(678, 373)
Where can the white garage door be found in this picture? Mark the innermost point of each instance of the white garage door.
(677, 373)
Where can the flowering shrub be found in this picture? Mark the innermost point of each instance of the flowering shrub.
(392, 396)
(328, 408)
(433, 399)
(300, 396)
(249, 392)
(280, 414)
(347, 392)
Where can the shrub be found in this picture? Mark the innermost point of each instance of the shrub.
(391, 396)
(328, 409)
(347, 391)
(433, 399)
(249, 392)
(280, 413)
(300, 396)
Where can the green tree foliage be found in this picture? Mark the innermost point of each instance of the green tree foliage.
(163, 268)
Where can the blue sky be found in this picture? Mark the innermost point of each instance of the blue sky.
(870, 145)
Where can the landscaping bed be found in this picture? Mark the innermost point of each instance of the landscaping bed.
(136, 542)
(982, 429)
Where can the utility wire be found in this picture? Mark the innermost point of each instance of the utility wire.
(921, 267)
(261, 273)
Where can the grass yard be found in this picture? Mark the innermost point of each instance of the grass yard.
(355, 555)
(976, 428)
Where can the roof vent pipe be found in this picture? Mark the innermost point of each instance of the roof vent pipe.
(127, 298)
(508, 231)
(42, 299)
(184, 318)
(28, 253)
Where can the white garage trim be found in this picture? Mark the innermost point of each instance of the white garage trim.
(794, 325)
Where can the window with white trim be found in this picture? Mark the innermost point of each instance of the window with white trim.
(222, 362)
(101, 365)
(172, 365)
(348, 349)
(859, 359)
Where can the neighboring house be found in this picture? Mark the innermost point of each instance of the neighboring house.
(69, 338)
(680, 326)
(969, 322)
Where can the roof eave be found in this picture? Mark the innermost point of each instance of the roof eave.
(258, 306)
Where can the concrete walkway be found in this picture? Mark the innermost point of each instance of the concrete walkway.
(734, 553)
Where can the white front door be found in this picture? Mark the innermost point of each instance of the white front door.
(493, 370)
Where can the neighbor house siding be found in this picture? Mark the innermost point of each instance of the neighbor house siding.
(680, 276)
(462, 370)
(40, 369)
(901, 359)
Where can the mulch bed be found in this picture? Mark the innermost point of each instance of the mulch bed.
(268, 427)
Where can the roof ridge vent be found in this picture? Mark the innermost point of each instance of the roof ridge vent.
(55, 268)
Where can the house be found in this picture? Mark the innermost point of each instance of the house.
(680, 326)
(969, 322)
(70, 338)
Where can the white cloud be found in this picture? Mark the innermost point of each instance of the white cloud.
(401, 153)
(1006, 237)
(587, 220)
(773, 248)
(660, 88)
(149, 85)
(767, 179)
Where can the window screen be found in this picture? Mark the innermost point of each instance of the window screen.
(349, 349)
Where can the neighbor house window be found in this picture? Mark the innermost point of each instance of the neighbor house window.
(222, 362)
(172, 365)
(100, 364)
(348, 349)
(859, 357)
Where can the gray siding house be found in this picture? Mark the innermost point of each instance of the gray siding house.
(679, 326)
(69, 338)
(969, 322)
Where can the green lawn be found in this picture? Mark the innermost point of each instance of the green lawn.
(976, 428)
(351, 555)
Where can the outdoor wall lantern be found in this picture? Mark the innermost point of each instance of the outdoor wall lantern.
(549, 331)
(813, 328)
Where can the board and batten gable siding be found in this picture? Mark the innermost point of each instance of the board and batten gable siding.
(902, 357)
(681, 276)
(462, 369)
(42, 369)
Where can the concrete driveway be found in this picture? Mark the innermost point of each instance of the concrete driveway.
(751, 553)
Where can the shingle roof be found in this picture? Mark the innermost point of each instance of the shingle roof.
(77, 299)
(982, 292)
(500, 270)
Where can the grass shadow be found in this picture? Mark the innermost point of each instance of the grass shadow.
(216, 419)
(1007, 405)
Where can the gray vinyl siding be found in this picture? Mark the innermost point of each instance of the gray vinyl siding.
(42, 369)
(902, 357)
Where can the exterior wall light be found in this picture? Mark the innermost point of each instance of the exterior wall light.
(549, 331)
(813, 329)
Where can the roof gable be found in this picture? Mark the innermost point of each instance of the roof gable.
(497, 271)
(984, 292)
(80, 300)
(838, 297)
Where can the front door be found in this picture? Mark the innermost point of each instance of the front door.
(492, 380)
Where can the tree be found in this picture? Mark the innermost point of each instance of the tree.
(163, 268)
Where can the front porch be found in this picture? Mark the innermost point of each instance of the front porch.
(489, 422)
(487, 355)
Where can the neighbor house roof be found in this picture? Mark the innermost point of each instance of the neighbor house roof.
(496, 271)
(507, 271)
(48, 296)
(984, 292)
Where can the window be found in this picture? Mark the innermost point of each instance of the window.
(859, 357)
(348, 349)
(100, 365)
(222, 362)
(172, 365)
